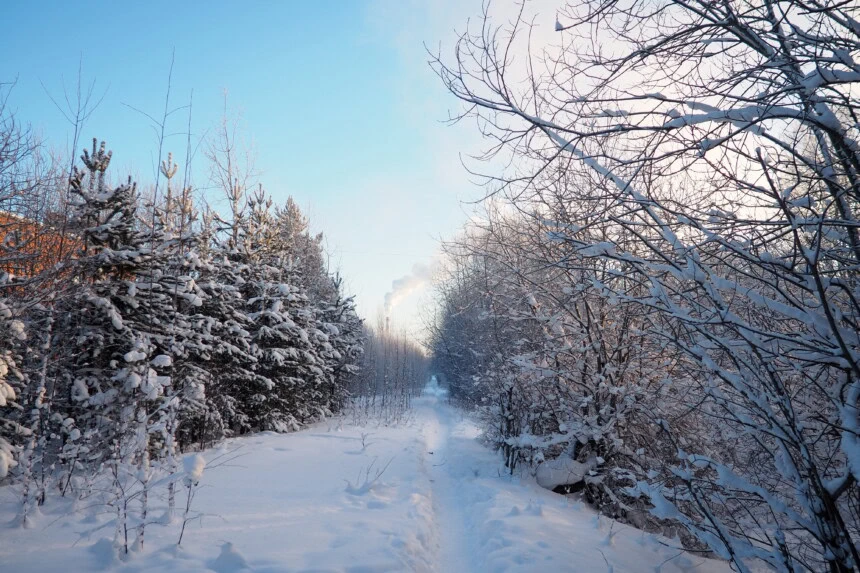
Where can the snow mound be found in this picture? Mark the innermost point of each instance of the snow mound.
(561, 471)
(229, 560)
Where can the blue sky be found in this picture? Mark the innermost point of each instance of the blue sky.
(335, 98)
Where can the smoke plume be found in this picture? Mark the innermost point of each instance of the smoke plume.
(404, 286)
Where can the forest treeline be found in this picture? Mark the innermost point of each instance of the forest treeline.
(661, 294)
(140, 323)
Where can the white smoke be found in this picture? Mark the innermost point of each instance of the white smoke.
(421, 275)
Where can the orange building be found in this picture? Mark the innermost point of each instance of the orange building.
(29, 248)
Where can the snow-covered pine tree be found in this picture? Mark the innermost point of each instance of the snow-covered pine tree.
(12, 432)
(115, 334)
(175, 242)
(335, 312)
(293, 352)
(231, 365)
(304, 251)
(346, 334)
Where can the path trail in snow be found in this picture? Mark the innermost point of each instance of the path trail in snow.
(456, 545)
(302, 503)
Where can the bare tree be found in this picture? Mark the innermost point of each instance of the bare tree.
(718, 143)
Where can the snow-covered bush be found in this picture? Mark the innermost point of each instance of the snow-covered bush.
(709, 163)
(558, 373)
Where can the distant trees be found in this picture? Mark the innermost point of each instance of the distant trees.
(392, 371)
(695, 185)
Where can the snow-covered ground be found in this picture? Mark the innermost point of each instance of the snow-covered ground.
(299, 502)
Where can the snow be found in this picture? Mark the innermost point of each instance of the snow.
(80, 391)
(16, 329)
(7, 393)
(438, 500)
(561, 471)
(162, 361)
(194, 465)
(229, 560)
(7, 460)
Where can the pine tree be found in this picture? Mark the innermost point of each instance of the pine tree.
(345, 331)
(12, 381)
(292, 352)
(230, 366)
(115, 333)
(338, 322)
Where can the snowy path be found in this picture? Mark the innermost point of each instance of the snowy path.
(456, 546)
(294, 503)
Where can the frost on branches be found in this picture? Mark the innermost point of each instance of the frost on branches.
(696, 188)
